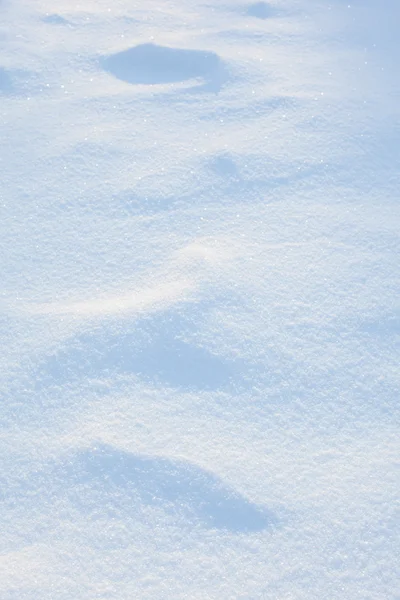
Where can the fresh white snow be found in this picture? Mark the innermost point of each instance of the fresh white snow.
(200, 282)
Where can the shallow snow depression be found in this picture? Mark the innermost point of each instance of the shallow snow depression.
(199, 300)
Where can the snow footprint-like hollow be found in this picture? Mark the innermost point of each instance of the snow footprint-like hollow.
(260, 10)
(150, 64)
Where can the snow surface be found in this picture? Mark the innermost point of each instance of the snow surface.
(199, 304)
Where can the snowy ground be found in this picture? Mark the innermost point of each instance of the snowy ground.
(199, 303)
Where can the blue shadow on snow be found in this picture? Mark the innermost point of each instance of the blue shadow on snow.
(150, 64)
(6, 85)
(155, 349)
(178, 487)
(260, 10)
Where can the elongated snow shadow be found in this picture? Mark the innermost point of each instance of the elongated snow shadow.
(14, 82)
(385, 326)
(150, 64)
(155, 350)
(6, 85)
(55, 19)
(178, 487)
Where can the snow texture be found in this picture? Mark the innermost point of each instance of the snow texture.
(200, 283)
